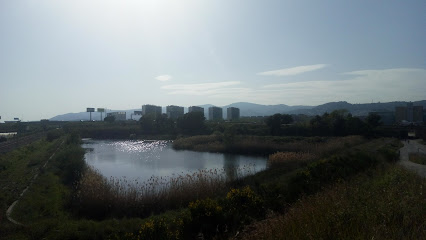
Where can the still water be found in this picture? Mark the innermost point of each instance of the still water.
(142, 159)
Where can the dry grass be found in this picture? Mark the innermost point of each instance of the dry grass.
(99, 197)
(297, 158)
(267, 145)
(385, 206)
(419, 158)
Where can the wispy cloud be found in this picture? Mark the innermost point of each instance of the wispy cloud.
(405, 84)
(199, 89)
(163, 78)
(366, 85)
(293, 71)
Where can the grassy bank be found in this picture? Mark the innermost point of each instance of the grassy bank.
(71, 201)
(17, 169)
(419, 158)
(384, 203)
(265, 145)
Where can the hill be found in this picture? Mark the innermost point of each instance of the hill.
(356, 109)
(253, 109)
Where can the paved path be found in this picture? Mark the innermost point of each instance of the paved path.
(412, 146)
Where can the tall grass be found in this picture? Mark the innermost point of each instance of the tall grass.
(383, 204)
(266, 145)
(290, 158)
(99, 197)
(419, 158)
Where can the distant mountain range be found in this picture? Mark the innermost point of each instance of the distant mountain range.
(252, 109)
(355, 109)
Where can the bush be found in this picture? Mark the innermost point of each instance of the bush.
(71, 163)
(152, 229)
(243, 205)
(54, 134)
(312, 178)
(207, 216)
(390, 154)
(290, 158)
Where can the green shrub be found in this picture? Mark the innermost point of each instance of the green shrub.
(152, 229)
(244, 204)
(312, 178)
(71, 163)
(54, 134)
(390, 154)
(207, 216)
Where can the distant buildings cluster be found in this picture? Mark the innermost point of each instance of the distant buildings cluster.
(403, 115)
(118, 116)
(174, 112)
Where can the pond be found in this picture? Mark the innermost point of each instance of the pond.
(143, 159)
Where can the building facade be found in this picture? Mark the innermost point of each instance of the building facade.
(215, 113)
(119, 116)
(409, 113)
(174, 112)
(233, 113)
(151, 109)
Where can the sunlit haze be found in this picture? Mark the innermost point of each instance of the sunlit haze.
(58, 57)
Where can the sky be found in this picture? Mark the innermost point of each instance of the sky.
(58, 57)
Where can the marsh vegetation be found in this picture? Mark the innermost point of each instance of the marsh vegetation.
(72, 200)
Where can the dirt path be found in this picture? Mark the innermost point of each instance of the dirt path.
(11, 207)
(412, 146)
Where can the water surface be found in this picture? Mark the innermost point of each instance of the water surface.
(142, 159)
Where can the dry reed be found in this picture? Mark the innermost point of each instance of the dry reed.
(99, 197)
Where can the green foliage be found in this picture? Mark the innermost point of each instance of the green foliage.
(338, 123)
(152, 229)
(384, 204)
(374, 120)
(71, 162)
(318, 174)
(157, 124)
(73, 139)
(109, 119)
(244, 204)
(192, 123)
(54, 134)
(389, 154)
(275, 121)
(206, 215)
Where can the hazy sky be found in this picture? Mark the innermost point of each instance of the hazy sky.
(63, 56)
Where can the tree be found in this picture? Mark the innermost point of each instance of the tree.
(155, 123)
(275, 121)
(109, 119)
(374, 120)
(147, 123)
(192, 123)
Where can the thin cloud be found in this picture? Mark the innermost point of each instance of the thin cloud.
(164, 78)
(293, 71)
(365, 85)
(199, 88)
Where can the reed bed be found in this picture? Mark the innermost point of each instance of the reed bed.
(320, 146)
(99, 197)
(290, 158)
